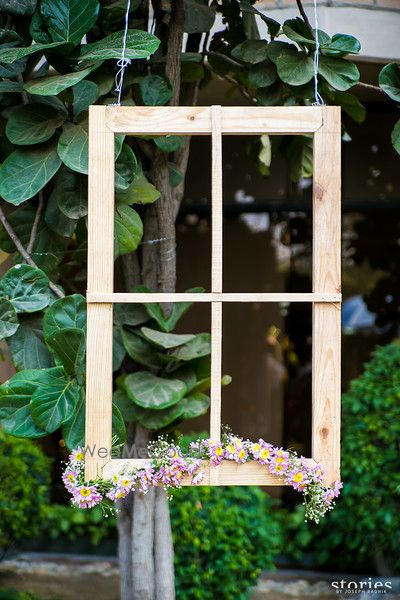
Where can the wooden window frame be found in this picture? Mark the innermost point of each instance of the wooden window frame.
(324, 124)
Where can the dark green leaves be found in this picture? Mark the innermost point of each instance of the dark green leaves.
(139, 44)
(27, 347)
(251, 51)
(68, 345)
(149, 391)
(15, 410)
(396, 137)
(68, 20)
(389, 81)
(70, 191)
(54, 400)
(8, 319)
(54, 84)
(26, 171)
(166, 340)
(10, 55)
(65, 313)
(26, 287)
(18, 7)
(294, 68)
(195, 405)
(339, 73)
(73, 147)
(155, 90)
(199, 17)
(128, 230)
(33, 123)
(199, 346)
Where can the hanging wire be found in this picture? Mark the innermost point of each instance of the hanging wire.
(318, 98)
(123, 62)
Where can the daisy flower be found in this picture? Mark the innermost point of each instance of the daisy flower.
(86, 496)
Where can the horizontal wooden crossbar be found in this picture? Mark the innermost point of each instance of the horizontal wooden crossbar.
(120, 297)
(229, 472)
(196, 120)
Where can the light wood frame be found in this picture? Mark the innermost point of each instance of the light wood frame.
(324, 124)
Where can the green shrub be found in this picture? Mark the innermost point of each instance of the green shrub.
(223, 538)
(72, 524)
(364, 529)
(24, 485)
(6, 594)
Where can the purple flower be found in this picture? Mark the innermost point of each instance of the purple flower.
(77, 457)
(86, 496)
(336, 488)
(298, 479)
(70, 478)
(216, 454)
(198, 478)
(261, 451)
(278, 465)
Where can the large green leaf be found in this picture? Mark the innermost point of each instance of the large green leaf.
(118, 427)
(140, 191)
(341, 44)
(251, 51)
(195, 405)
(159, 419)
(70, 191)
(272, 25)
(155, 90)
(166, 340)
(199, 17)
(56, 220)
(128, 230)
(26, 287)
(10, 39)
(130, 314)
(18, 7)
(26, 171)
(73, 147)
(10, 55)
(297, 31)
(262, 75)
(350, 105)
(149, 391)
(139, 44)
(85, 93)
(339, 73)
(65, 313)
(33, 123)
(68, 345)
(54, 400)
(389, 81)
(197, 347)
(119, 352)
(395, 137)
(54, 84)
(10, 87)
(15, 410)
(125, 405)
(68, 20)
(73, 430)
(126, 167)
(140, 350)
(294, 68)
(8, 319)
(178, 309)
(27, 347)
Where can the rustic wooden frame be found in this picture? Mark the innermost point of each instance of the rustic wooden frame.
(324, 124)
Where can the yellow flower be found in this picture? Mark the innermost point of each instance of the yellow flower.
(125, 482)
(79, 456)
(255, 447)
(85, 492)
(242, 454)
(71, 477)
(279, 460)
(298, 477)
(230, 448)
(264, 453)
(218, 451)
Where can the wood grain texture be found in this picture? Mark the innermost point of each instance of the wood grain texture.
(229, 473)
(100, 279)
(195, 120)
(213, 297)
(326, 394)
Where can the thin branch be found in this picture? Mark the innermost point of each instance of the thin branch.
(225, 58)
(175, 40)
(304, 17)
(36, 222)
(369, 86)
(18, 244)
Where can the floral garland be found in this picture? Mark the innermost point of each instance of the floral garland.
(168, 463)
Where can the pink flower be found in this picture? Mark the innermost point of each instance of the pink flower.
(261, 451)
(198, 478)
(216, 454)
(77, 457)
(336, 488)
(70, 478)
(278, 465)
(86, 496)
(298, 479)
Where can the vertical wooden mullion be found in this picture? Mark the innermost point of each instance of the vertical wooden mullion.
(100, 279)
(326, 391)
(216, 279)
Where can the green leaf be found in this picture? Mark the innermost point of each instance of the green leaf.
(149, 391)
(56, 220)
(27, 347)
(126, 167)
(8, 319)
(10, 55)
(33, 123)
(341, 44)
(128, 230)
(15, 410)
(251, 51)
(294, 68)
(21, 221)
(165, 340)
(85, 93)
(54, 400)
(339, 73)
(155, 90)
(272, 25)
(199, 346)
(140, 350)
(119, 351)
(26, 171)
(195, 405)
(130, 314)
(118, 426)
(10, 87)
(73, 147)
(270, 96)
(169, 143)
(140, 191)
(159, 419)
(351, 105)
(70, 191)
(26, 287)
(54, 84)
(125, 405)
(65, 313)
(178, 309)
(297, 31)
(396, 137)
(73, 430)
(69, 20)
(199, 17)
(262, 75)
(389, 81)
(9, 39)
(299, 154)
(139, 44)
(68, 345)
(18, 7)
